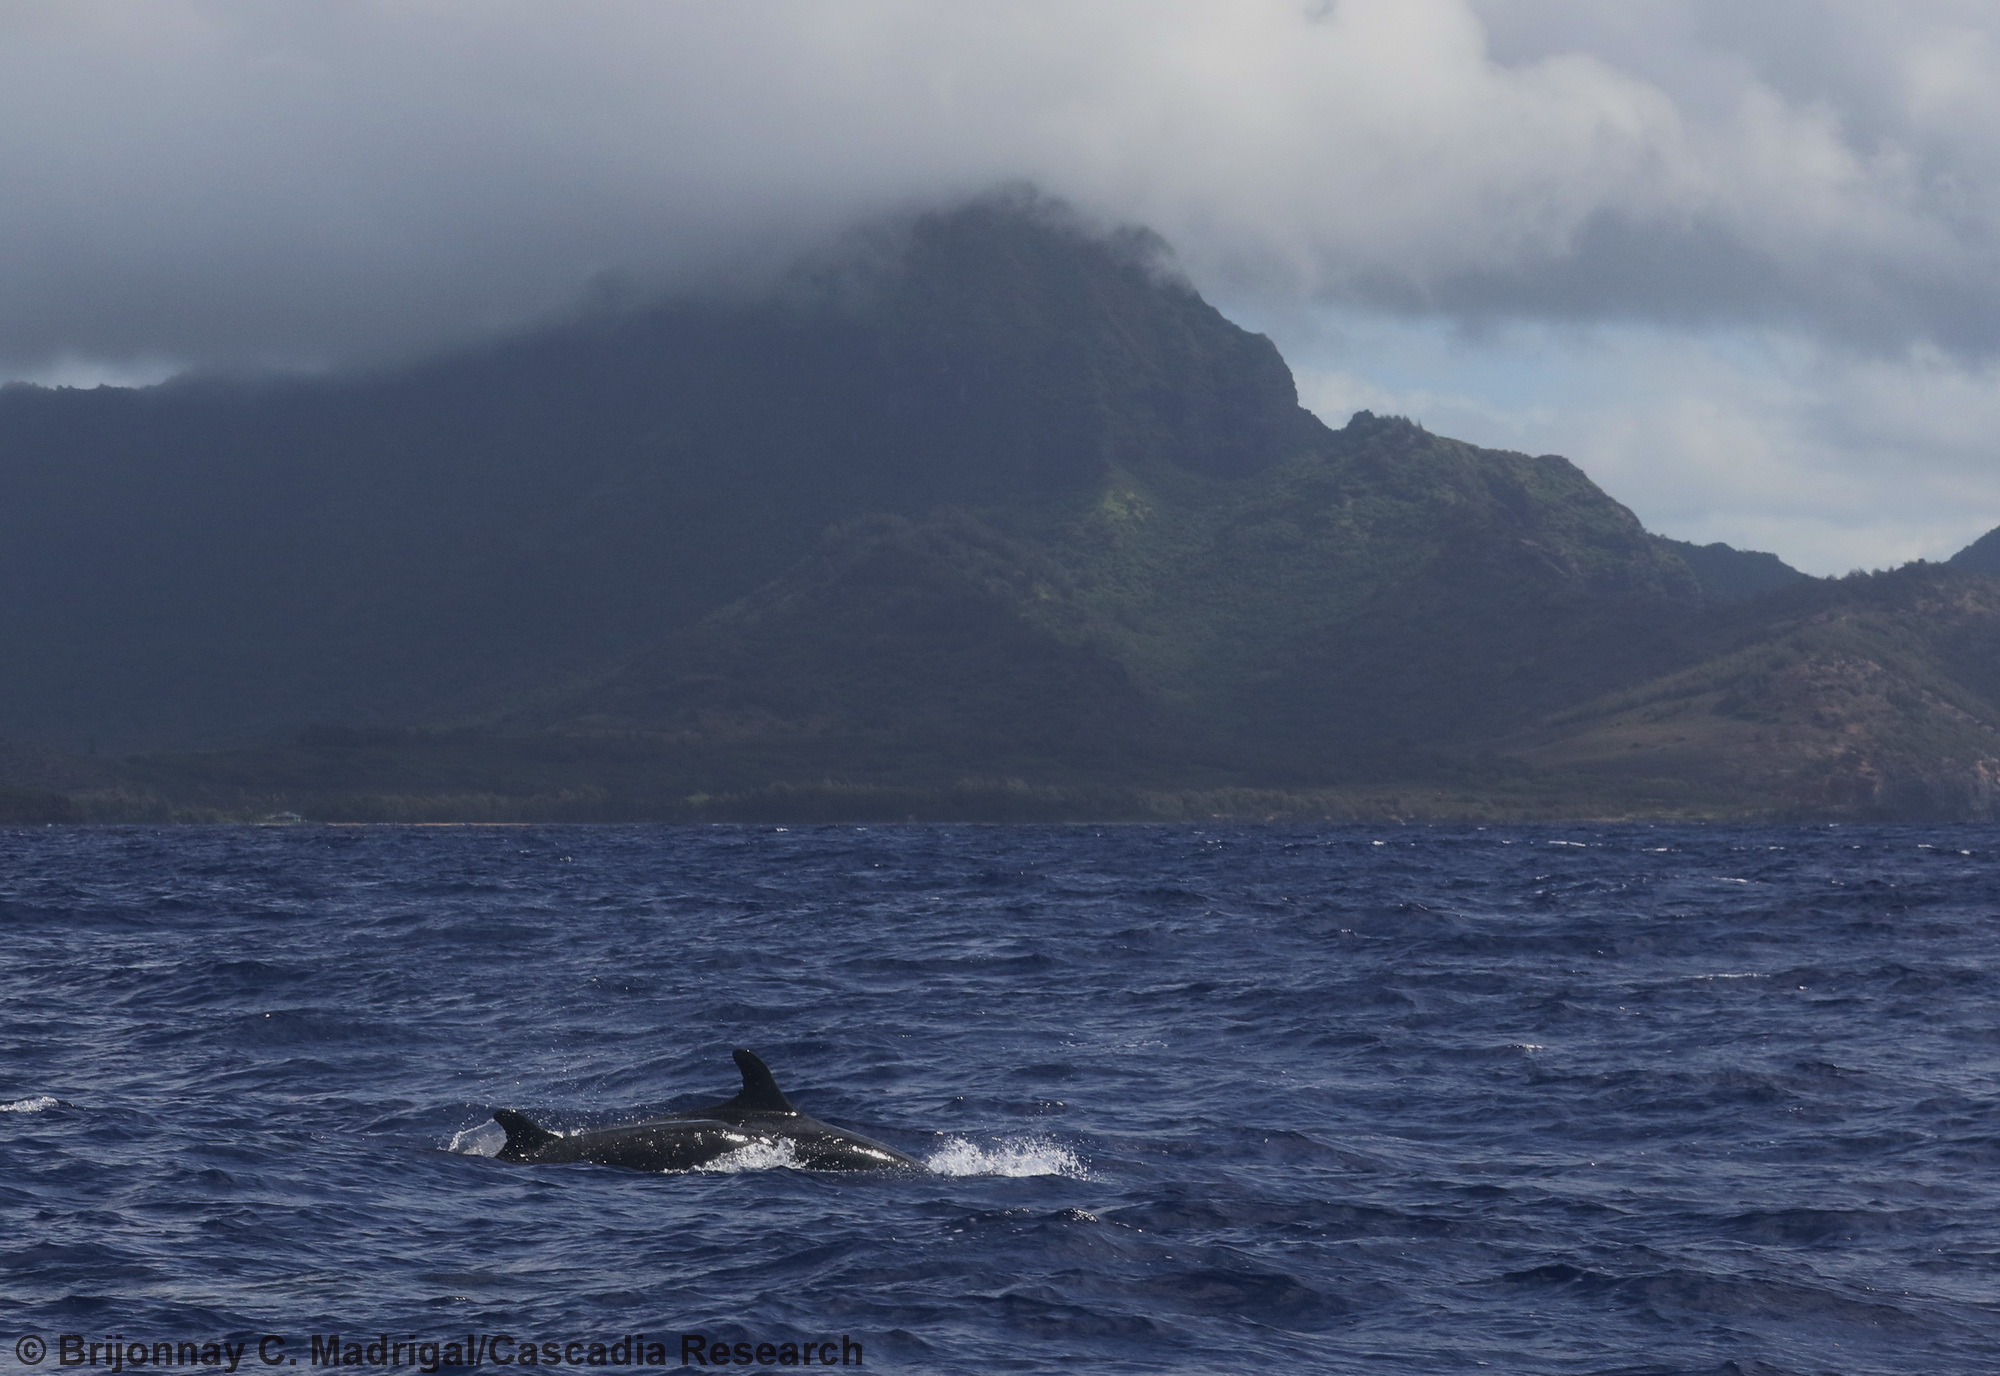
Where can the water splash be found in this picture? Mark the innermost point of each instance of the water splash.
(758, 1156)
(481, 1139)
(39, 1104)
(1011, 1156)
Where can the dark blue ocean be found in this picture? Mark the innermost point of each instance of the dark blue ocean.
(1247, 1099)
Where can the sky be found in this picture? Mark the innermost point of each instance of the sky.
(1740, 262)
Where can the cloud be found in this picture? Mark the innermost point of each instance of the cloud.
(229, 180)
(1741, 261)
(1763, 440)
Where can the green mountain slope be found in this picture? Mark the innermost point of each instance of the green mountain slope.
(897, 652)
(1380, 591)
(212, 561)
(990, 515)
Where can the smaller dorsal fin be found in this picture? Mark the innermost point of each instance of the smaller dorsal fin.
(760, 1092)
(525, 1136)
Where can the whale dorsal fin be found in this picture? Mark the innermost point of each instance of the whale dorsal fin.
(525, 1136)
(760, 1092)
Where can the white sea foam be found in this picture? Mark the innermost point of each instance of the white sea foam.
(481, 1139)
(1013, 1156)
(758, 1156)
(39, 1104)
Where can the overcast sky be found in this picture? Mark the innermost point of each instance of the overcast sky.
(1741, 261)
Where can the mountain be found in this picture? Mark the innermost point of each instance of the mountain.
(1726, 573)
(1362, 568)
(212, 561)
(987, 514)
(1981, 556)
(1876, 697)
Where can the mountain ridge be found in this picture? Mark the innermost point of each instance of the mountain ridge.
(993, 514)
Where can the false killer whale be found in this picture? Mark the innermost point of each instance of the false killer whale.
(760, 1113)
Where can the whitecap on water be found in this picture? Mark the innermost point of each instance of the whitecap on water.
(40, 1103)
(1013, 1156)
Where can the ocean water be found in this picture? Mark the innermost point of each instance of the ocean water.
(1275, 1099)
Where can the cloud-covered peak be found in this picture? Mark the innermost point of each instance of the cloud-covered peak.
(1783, 217)
(232, 181)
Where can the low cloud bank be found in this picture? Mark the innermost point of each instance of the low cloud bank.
(231, 181)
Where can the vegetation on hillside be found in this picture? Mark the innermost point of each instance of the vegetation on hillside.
(986, 517)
